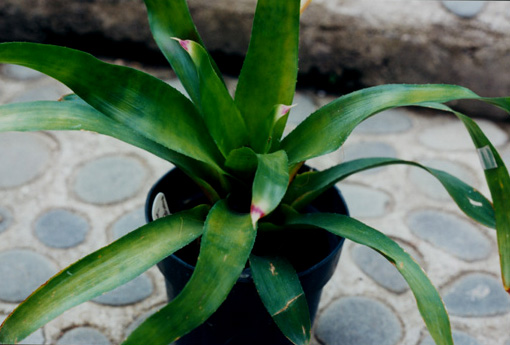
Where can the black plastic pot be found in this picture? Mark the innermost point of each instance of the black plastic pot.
(242, 318)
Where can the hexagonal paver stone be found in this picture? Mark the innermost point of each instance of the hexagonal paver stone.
(477, 295)
(304, 107)
(128, 223)
(381, 270)
(61, 228)
(36, 338)
(358, 320)
(364, 201)
(389, 121)
(5, 219)
(464, 9)
(23, 156)
(454, 136)
(450, 233)
(21, 272)
(109, 179)
(459, 338)
(133, 291)
(20, 72)
(83, 336)
(430, 186)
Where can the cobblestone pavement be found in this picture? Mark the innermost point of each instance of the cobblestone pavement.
(64, 194)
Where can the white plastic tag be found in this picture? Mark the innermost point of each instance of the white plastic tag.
(487, 158)
(160, 207)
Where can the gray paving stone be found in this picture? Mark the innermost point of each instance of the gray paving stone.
(381, 270)
(23, 156)
(304, 106)
(61, 228)
(128, 223)
(450, 233)
(109, 179)
(477, 295)
(459, 338)
(36, 338)
(430, 186)
(5, 219)
(464, 9)
(40, 93)
(83, 336)
(356, 321)
(507, 342)
(389, 121)
(364, 201)
(20, 72)
(366, 149)
(133, 291)
(454, 136)
(21, 272)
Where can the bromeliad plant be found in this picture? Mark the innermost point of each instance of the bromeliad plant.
(223, 143)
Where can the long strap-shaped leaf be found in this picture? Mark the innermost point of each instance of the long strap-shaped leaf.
(131, 97)
(171, 18)
(226, 245)
(268, 76)
(429, 302)
(307, 186)
(498, 180)
(103, 271)
(50, 115)
(327, 129)
(270, 183)
(281, 292)
(220, 113)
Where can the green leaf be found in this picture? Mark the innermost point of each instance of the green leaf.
(281, 292)
(269, 72)
(498, 180)
(221, 116)
(307, 186)
(243, 162)
(74, 114)
(169, 19)
(133, 98)
(225, 247)
(270, 183)
(327, 129)
(103, 271)
(429, 302)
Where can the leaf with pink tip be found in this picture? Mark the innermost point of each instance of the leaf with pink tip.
(268, 76)
(220, 113)
(270, 183)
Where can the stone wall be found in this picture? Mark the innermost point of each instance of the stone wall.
(353, 42)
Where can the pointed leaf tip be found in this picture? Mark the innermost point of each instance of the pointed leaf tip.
(256, 213)
(184, 43)
(284, 109)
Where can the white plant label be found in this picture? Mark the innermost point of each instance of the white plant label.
(160, 207)
(487, 158)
